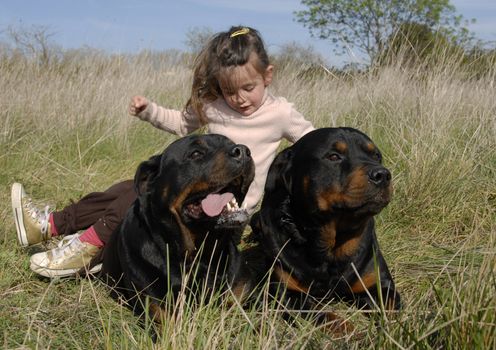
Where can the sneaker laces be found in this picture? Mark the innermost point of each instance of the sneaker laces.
(38, 215)
(68, 245)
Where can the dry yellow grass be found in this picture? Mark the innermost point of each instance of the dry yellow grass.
(65, 131)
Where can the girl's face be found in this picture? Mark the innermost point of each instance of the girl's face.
(243, 87)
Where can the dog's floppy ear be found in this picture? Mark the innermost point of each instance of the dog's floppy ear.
(279, 172)
(146, 172)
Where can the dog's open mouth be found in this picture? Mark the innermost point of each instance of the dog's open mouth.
(214, 204)
(221, 207)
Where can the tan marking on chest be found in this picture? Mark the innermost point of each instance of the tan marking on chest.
(328, 236)
(349, 247)
(290, 282)
(366, 281)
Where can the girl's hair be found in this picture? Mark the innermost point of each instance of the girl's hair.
(225, 49)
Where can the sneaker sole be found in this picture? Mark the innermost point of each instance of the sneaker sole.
(16, 196)
(43, 271)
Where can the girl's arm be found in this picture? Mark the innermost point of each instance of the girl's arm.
(297, 126)
(170, 120)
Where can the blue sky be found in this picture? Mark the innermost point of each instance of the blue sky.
(132, 25)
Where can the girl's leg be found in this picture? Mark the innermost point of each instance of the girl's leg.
(99, 213)
(102, 210)
(35, 225)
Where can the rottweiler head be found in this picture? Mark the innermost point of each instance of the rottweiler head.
(332, 171)
(195, 185)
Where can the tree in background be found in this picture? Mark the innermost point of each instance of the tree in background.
(367, 25)
(34, 42)
(196, 38)
(416, 44)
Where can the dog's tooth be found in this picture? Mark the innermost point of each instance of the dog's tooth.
(243, 206)
(228, 205)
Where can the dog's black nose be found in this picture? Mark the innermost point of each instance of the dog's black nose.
(239, 152)
(380, 176)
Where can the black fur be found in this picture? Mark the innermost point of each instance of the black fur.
(316, 222)
(165, 235)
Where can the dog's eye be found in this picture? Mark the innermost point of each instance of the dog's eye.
(195, 154)
(334, 157)
(377, 156)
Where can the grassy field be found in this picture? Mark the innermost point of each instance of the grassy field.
(65, 131)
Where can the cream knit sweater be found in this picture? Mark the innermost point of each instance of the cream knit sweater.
(261, 131)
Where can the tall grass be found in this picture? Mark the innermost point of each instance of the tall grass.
(65, 131)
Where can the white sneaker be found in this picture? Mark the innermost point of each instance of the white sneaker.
(32, 223)
(70, 256)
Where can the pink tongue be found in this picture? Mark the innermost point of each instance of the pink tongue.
(213, 204)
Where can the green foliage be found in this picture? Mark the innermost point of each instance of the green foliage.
(367, 24)
(418, 47)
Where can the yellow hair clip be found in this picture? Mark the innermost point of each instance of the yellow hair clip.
(242, 31)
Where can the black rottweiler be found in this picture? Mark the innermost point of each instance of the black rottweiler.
(185, 220)
(316, 222)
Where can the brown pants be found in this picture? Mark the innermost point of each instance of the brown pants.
(102, 210)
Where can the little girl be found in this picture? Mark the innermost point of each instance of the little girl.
(229, 96)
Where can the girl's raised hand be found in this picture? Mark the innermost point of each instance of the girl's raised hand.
(137, 105)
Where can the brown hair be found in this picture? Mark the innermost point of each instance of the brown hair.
(225, 49)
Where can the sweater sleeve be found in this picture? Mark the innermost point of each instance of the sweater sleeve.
(297, 126)
(170, 120)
